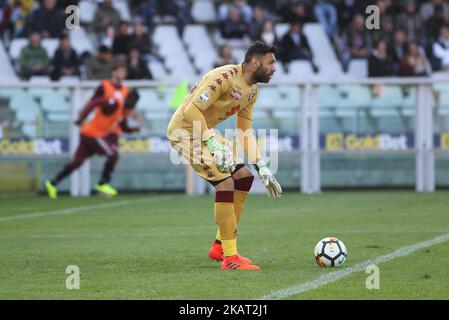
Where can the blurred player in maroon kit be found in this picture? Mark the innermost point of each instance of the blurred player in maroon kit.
(113, 104)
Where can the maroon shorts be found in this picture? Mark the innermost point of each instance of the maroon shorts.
(105, 146)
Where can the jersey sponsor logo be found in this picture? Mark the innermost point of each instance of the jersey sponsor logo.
(233, 110)
(204, 96)
(235, 94)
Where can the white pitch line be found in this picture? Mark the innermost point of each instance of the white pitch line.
(337, 275)
(81, 209)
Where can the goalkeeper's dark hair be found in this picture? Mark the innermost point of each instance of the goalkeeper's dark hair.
(131, 99)
(258, 48)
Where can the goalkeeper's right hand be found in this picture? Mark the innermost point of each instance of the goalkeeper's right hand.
(222, 155)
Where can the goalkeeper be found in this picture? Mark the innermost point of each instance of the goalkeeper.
(224, 92)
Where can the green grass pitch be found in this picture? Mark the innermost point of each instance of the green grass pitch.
(155, 246)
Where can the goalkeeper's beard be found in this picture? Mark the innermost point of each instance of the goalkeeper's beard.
(261, 76)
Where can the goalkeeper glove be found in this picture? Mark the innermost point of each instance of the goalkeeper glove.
(274, 189)
(222, 155)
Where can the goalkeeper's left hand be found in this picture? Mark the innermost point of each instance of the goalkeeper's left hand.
(274, 189)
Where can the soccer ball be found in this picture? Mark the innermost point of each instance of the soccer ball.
(330, 252)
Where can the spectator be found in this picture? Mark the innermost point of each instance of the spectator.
(259, 18)
(326, 15)
(294, 45)
(140, 39)
(173, 8)
(414, 61)
(121, 39)
(379, 64)
(19, 17)
(346, 10)
(234, 27)
(440, 49)
(429, 8)
(106, 18)
(267, 34)
(434, 24)
(63, 4)
(145, 11)
(242, 6)
(224, 57)
(397, 49)
(48, 20)
(99, 66)
(137, 67)
(296, 11)
(386, 30)
(65, 61)
(410, 21)
(33, 58)
(5, 15)
(357, 40)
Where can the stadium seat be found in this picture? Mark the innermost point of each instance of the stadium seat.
(238, 54)
(300, 70)
(203, 11)
(268, 97)
(389, 97)
(323, 52)
(289, 97)
(165, 34)
(123, 8)
(327, 96)
(16, 46)
(281, 29)
(58, 116)
(80, 41)
(87, 10)
(149, 99)
(196, 35)
(358, 68)
(50, 45)
(55, 102)
(443, 103)
(157, 70)
(40, 79)
(7, 72)
(354, 97)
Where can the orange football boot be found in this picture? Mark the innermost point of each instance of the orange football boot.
(236, 263)
(216, 253)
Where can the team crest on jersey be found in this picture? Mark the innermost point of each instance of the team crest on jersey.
(235, 94)
(251, 95)
(204, 96)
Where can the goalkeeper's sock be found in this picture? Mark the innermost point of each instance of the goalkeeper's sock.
(242, 187)
(225, 219)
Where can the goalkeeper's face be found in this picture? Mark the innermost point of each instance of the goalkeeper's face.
(265, 69)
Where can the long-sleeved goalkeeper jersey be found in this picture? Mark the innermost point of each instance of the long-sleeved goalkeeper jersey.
(222, 93)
